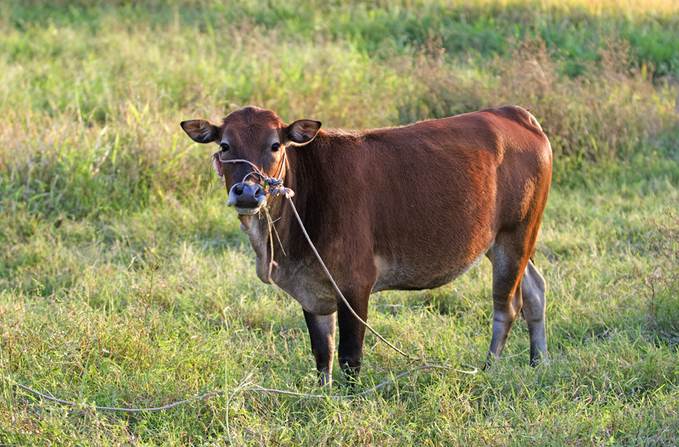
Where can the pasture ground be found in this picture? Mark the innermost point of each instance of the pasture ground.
(124, 280)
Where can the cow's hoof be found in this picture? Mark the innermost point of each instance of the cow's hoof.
(351, 372)
(491, 359)
(541, 359)
(324, 378)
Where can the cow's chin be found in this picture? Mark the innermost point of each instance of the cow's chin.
(246, 217)
(245, 212)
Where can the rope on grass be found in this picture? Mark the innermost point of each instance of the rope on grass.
(244, 387)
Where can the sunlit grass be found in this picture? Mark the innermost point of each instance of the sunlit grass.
(125, 281)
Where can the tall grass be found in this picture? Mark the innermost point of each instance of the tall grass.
(608, 113)
(123, 280)
(91, 114)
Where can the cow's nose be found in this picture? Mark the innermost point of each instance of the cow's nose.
(246, 196)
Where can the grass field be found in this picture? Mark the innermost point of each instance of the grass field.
(125, 281)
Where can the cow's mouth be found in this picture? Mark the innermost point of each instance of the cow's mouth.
(247, 198)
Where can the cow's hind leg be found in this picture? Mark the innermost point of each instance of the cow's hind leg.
(322, 335)
(534, 303)
(509, 263)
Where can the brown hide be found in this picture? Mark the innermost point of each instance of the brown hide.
(412, 207)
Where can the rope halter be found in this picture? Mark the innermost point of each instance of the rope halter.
(273, 186)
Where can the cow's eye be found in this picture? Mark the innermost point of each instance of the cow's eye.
(224, 147)
(275, 146)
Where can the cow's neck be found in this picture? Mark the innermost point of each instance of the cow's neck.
(297, 178)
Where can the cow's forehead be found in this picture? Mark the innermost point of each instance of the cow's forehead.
(252, 117)
(249, 135)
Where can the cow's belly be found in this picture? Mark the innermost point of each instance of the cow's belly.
(395, 273)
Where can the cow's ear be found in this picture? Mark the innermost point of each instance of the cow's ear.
(302, 132)
(200, 131)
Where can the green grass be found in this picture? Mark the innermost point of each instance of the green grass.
(124, 279)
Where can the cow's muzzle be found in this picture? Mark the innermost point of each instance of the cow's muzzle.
(247, 197)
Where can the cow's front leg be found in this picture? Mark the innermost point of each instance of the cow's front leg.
(322, 335)
(352, 331)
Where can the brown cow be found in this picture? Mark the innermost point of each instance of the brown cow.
(401, 208)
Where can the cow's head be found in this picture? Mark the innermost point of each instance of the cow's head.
(258, 136)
